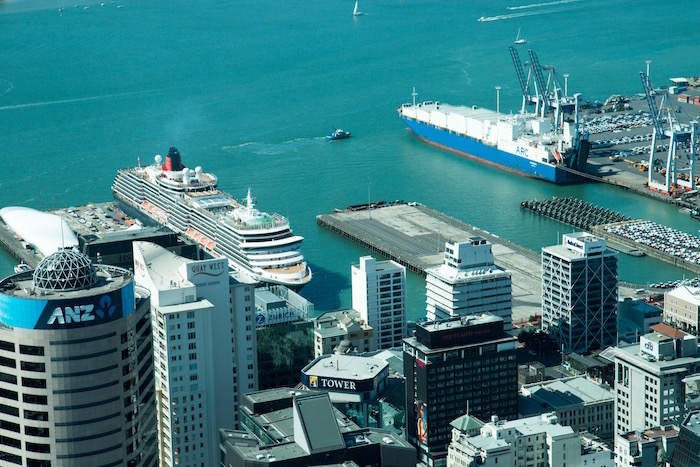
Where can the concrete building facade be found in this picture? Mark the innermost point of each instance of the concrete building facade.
(468, 283)
(379, 294)
(76, 369)
(205, 355)
(649, 388)
(538, 441)
(579, 293)
(647, 448)
(682, 307)
(344, 326)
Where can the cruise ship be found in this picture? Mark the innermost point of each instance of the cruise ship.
(258, 244)
(524, 143)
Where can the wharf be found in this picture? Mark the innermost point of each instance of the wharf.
(19, 250)
(411, 233)
(677, 248)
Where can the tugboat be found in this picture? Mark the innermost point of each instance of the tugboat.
(338, 134)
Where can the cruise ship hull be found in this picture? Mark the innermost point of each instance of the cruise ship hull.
(260, 246)
(475, 149)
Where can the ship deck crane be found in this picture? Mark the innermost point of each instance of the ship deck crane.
(675, 133)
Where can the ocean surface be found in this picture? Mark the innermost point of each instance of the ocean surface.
(247, 90)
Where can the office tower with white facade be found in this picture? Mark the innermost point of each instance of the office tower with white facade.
(76, 366)
(468, 282)
(379, 294)
(649, 378)
(579, 293)
(204, 350)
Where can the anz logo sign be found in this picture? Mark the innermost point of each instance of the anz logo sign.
(63, 315)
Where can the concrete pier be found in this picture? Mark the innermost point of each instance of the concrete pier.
(415, 236)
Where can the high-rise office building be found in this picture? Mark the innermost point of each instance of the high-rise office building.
(76, 368)
(468, 282)
(579, 293)
(450, 366)
(649, 389)
(379, 294)
(205, 356)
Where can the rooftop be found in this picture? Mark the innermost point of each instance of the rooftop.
(560, 393)
(346, 367)
(297, 423)
(630, 353)
(669, 331)
(692, 422)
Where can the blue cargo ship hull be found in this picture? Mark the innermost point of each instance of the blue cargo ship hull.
(491, 155)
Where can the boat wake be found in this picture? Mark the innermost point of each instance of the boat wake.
(528, 13)
(538, 5)
(69, 101)
(8, 88)
(273, 149)
(511, 16)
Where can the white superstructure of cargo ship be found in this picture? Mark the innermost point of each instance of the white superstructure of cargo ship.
(258, 244)
(523, 143)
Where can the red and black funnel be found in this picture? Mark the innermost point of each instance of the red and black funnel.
(173, 162)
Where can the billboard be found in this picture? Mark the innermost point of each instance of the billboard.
(276, 316)
(337, 384)
(422, 421)
(69, 312)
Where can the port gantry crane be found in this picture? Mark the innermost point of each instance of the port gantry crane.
(675, 133)
(548, 95)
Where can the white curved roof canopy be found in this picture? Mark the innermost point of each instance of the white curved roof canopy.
(41, 229)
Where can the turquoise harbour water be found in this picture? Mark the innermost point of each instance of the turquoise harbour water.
(248, 89)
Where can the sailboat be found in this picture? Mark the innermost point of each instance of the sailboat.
(355, 12)
(520, 40)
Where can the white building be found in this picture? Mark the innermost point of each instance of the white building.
(644, 448)
(538, 441)
(379, 294)
(649, 379)
(344, 326)
(579, 293)
(204, 350)
(468, 282)
(682, 308)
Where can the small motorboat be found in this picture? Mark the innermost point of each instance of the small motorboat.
(338, 134)
(22, 267)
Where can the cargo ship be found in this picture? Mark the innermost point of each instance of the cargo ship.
(524, 143)
(257, 244)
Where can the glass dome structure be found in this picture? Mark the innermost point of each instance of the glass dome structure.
(65, 270)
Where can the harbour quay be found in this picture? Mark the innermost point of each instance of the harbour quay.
(658, 241)
(414, 235)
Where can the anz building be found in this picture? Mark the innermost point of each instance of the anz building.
(76, 373)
